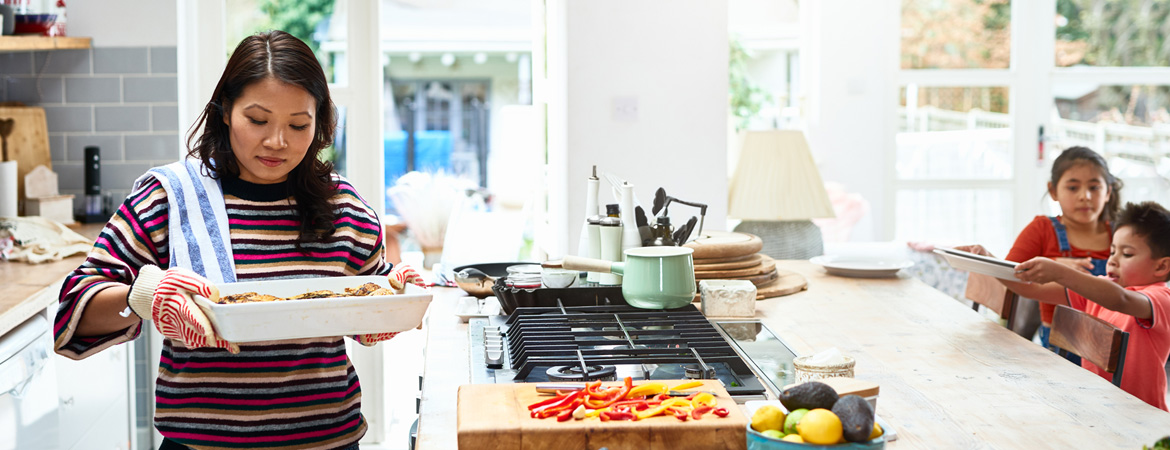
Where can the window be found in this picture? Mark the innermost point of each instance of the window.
(956, 34)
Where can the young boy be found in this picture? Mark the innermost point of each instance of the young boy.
(1133, 296)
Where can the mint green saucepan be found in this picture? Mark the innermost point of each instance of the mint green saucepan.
(653, 277)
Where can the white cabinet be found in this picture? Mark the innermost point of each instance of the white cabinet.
(95, 400)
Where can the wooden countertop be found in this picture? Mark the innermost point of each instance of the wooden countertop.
(948, 376)
(29, 288)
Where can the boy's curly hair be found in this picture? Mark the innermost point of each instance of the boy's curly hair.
(1150, 221)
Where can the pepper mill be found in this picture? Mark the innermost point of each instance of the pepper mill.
(587, 245)
(611, 248)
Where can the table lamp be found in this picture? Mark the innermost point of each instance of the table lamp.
(775, 190)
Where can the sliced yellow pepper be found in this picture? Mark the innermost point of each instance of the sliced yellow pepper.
(687, 385)
(704, 399)
(657, 409)
(643, 390)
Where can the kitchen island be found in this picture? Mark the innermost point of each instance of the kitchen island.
(949, 377)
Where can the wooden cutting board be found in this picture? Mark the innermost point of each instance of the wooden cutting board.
(728, 259)
(28, 144)
(766, 265)
(786, 283)
(495, 417)
(749, 261)
(724, 244)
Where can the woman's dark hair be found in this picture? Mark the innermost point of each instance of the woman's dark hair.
(277, 55)
(1083, 155)
(1151, 222)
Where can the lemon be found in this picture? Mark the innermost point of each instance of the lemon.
(877, 431)
(793, 438)
(820, 426)
(773, 434)
(792, 419)
(768, 417)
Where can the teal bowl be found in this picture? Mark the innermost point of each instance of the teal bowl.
(757, 441)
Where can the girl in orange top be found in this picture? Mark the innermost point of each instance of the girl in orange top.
(1089, 197)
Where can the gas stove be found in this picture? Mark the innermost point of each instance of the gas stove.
(611, 342)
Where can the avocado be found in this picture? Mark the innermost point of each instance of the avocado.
(856, 417)
(810, 395)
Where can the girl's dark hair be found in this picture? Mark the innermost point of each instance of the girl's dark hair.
(277, 55)
(1083, 155)
(1151, 222)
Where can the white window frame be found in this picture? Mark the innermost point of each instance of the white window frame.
(1030, 78)
(202, 51)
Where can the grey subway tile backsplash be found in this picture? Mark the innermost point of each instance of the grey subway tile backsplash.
(164, 60)
(69, 118)
(110, 145)
(122, 118)
(120, 60)
(31, 90)
(62, 62)
(56, 148)
(150, 89)
(121, 175)
(162, 147)
(164, 118)
(16, 63)
(70, 177)
(93, 90)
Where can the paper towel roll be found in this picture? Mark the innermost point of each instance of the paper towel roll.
(8, 189)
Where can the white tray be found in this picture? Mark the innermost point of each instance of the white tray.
(294, 319)
(979, 264)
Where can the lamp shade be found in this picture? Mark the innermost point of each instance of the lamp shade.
(776, 179)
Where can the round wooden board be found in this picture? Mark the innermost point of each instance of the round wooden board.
(709, 261)
(724, 244)
(786, 283)
(766, 265)
(751, 260)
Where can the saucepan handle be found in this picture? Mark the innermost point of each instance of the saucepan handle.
(590, 265)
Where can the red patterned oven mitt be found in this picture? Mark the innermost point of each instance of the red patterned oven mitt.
(167, 298)
(399, 277)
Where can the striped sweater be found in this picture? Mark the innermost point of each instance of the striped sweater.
(290, 394)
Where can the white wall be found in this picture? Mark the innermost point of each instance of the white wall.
(671, 58)
(849, 59)
(123, 23)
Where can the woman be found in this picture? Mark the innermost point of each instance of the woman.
(253, 202)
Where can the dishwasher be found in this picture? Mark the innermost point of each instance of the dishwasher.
(28, 387)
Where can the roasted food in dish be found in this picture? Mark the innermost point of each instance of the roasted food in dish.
(365, 290)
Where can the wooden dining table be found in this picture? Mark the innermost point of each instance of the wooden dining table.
(949, 377)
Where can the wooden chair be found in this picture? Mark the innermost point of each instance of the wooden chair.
(987, 291)
(1090, 338)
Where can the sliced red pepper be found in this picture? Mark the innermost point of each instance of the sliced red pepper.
(553, 408)
(698, 412)
(663, 397)
(679, 414)
(565, 416)
(617, 415)
(591, 389)
(555, 399)
(721, 412)
(616, 398)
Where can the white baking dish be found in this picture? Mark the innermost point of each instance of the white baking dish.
(293, 319)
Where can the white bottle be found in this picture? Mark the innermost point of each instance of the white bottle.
(585, 247)
(631, 237)
(611, 248)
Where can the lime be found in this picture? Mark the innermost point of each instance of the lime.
(773, 434)
(792, 419)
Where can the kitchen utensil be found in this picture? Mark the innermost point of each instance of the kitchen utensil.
(655, 277)
(512, 298)
(702, 211)
(474, 282)
(643, 224)
(5, 130)
(690, 227)
(659, 201)
(318, 317)
(496, 416)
